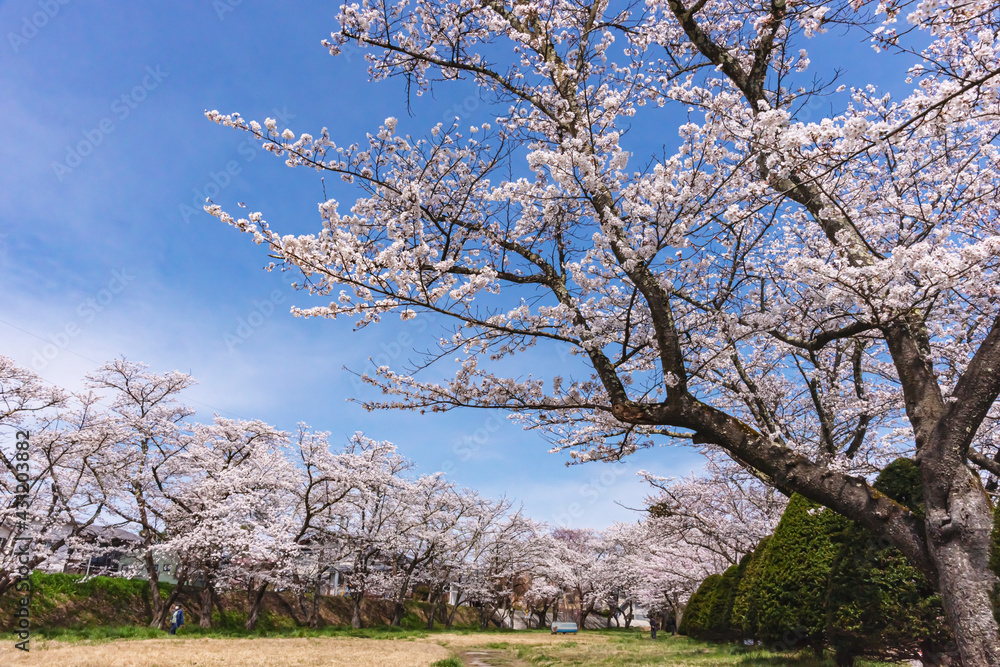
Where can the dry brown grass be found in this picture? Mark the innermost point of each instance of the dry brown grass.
(308, 652)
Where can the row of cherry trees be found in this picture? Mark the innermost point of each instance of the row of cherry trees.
(743, 244)
(238, 504)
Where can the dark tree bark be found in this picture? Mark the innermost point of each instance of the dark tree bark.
(166, 605)
(314, 618)
(257, 601)
(205, 613)
(451, 614)
(289, 609)
(398, 609)
(433, 598)
(156, 603)
(356, 600)
(542, 615)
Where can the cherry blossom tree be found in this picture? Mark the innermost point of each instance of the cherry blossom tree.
(582, 569)
(52, 471)
(230, 510)
(669, 571)
(501, 564)
(697, 525)
(460, 567)
(799, 292)
(322, 483)
(149, 439)
(434, 511)
(448, 540)
(724, 511)
(541, 596)
(623, 542)
(369, 523)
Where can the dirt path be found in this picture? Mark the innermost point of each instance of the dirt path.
(502, 650)
(489, 658)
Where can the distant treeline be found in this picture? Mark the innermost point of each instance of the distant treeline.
(72, 601)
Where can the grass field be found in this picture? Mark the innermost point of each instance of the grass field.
(379, 648)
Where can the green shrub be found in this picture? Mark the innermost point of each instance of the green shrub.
(792, 582)
(879, 605)
(696, 612)
(713, 612)
(721, 606)
(746, 605)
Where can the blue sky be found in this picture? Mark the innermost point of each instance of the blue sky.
(105, 251)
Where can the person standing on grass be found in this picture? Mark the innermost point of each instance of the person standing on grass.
(654, 625)
(176, 619)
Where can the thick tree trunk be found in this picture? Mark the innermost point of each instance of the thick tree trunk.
(678, 614)
(484, 619)
(582, 617)
(159, 619)
(451, 614)
(356, 600)
(205, 615)
(844, 658)
(433, 596)
(400, 597)
(284, 604)
(399, 608)
(958, 537)
(7, 579)
(258, 601)
(314, 617)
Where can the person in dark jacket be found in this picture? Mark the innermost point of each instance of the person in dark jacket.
(654, 625)
(176, 619)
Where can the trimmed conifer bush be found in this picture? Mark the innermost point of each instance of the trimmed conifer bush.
(879, 606)
(711, 619)
(792, 582)
(746, 605)
(698, 607)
